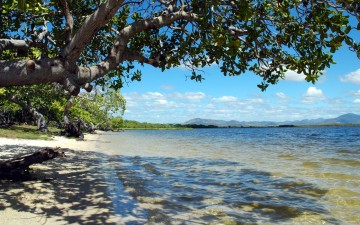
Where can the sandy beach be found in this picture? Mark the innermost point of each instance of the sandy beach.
(69, 190)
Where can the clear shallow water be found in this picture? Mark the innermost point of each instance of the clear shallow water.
(240, 176)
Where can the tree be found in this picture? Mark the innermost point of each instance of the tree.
(98, 108)
(99, 41)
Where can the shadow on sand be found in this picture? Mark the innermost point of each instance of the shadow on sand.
(75, 189)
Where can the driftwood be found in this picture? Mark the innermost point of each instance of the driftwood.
(18, 168)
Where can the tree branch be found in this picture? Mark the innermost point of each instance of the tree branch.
(156, 22)
(24, 44)
(131, 56)
(237, 31)
(69, 20)
(28, 72)
(41, 36)
(92, 24)
(14, 44)
(119, 47)
(119, 51)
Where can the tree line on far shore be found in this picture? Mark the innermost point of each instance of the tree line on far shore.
(131, 124)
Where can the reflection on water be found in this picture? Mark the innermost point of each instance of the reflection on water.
(242, 176)
(177, 187)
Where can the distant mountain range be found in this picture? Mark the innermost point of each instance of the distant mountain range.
(349, 118)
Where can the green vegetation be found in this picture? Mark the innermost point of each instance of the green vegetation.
(31, 132)
(135, 125)
(99, 109)
(27, 132)
(40, 103)
(103, 109)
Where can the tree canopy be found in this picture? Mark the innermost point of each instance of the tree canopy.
(79, 43)
(43, 102)
(98, 107)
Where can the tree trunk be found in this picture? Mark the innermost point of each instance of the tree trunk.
(40, 119)
(91, 128)
(69, 104)
(18, 168)
(5, 121)
(72, 129)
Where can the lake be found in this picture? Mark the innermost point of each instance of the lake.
(295, 175)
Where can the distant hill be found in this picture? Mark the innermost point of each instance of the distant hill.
(349, 118)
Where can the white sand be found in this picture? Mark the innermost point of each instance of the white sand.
(57, 141)
(76, 190)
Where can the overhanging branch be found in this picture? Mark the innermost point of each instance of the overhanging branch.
(69, 20)
(92, 24)
(132, 56)
(6, 44)
(15, 44)
(28, 72)
(119, 48)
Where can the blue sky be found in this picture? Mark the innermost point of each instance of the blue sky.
(171, 97)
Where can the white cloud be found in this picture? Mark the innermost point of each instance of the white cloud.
(145, 96)
(189, 96)
(335, 101)
(153, 95)
(353, 77)
(291, 75)
(130, 96)
(161, 102)
(225, 99)
(167, 87)
(357, 101)
(281, 95)
(313, 95)
(256, 100)
(210, 106)
(357, 93)
(313, 91)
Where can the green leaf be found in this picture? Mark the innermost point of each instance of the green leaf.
(348, 29)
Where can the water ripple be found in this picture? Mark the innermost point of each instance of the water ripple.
(243, 176)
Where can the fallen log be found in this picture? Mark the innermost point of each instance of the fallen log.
(17, 168)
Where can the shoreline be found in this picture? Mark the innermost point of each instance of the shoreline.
(57, 141)
(73, 189)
